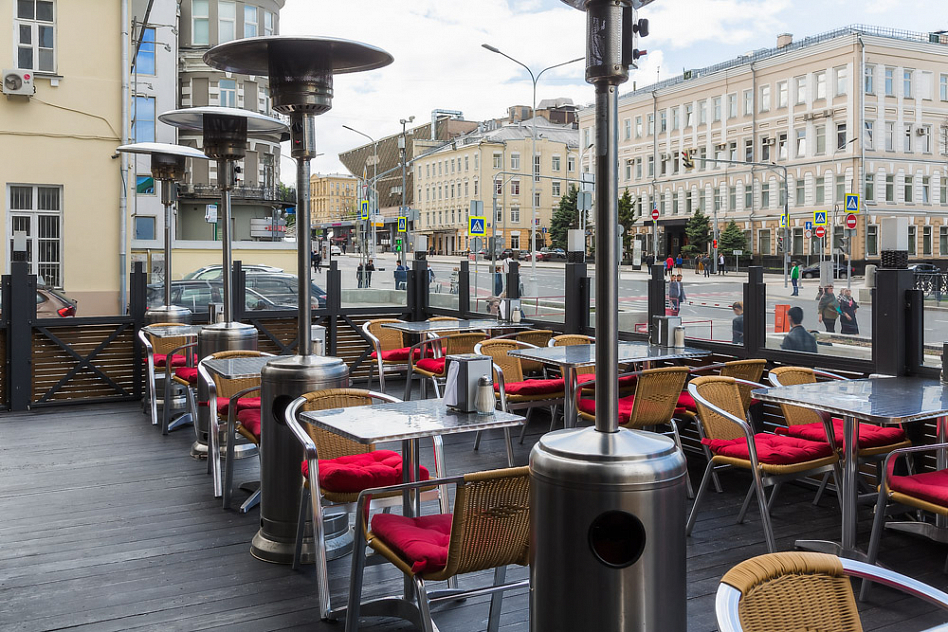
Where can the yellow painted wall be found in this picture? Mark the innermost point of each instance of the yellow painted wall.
(185, 260)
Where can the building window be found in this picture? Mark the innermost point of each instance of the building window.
(943, 88)
(144, 227)
(840, 136)
(907, 78)
(650, 121)
(801, 143)
(570, 164)
(926, 190)
(800, 192)
(638, 168)
(732, 198)
(716, 104)
(890, 82)
(689, 115)
(799, 89)
(872, 240)
(748, 150)
(890, 188)
(477, 188)
(674, 119)
(143, 121)
(514, 214)
(765, 145)
(820, 85)
(870, 189)
(782, 149)
(498, 187)
(718, 193)
(925, 138)
(267, 24)
(662, 122)
(638, 127)
(842, 77)
(748, 102)
(783, 94)
(889, 136)
(556, 188)
(765, 196)
(912, 241)
(145, 59)
(35, 35)
(536, 168)
(797, 247)
(732, 105)
(554, 164)
(943, 240)
(943, 196)
(840, 190)
(651, 166)
(515, 162)
(821, 190)
(765, 98)
(627, 127)
(250, 21)
(228, 93)
(498, 160)
(515, 242)
(908, 190)
(144, 185)
(226, 21)
(36, 211)
(868, 73)
(907, 138)
(536, 198)
(748, 197)
(702, 113)
(763, 241)
(820, 139)
(467, 163)
(868, 131)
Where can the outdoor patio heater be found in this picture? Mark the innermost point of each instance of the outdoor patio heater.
(225, 133)
(167, 168)
(301, 72)
(607, 504)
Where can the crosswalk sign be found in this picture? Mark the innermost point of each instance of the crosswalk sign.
(783, 221)
(819, 218)
(403, 224)
(852, 203)
(477, 226)
(365, 209)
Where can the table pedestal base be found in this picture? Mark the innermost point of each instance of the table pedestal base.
(926, 529)
(339, 538)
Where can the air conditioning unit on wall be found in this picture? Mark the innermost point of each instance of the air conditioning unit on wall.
(18, 82)
(920, 131)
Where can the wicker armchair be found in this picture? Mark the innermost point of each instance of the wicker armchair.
(322, 446)
(423, 359)
(803, 591)
(490, 528)
(388, 347)
(771, 459)
(157, 351)
(227, 400)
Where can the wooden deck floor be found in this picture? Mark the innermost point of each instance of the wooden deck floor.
(107, 525)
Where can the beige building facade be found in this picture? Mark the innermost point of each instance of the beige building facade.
(333, 197)
(858, 110)
(493, 166)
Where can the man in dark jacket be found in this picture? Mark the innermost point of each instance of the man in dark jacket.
(798, 339)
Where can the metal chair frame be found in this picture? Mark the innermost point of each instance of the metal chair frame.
(150, 382)
(377, 347)
(443, 341)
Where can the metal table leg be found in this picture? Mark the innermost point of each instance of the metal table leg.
(569, 401)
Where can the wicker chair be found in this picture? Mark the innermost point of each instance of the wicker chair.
(803, 591)
(423, 361)
(227, 400)
(157, 350)
(388, 347)
(537, 338)
(490, 528)
(565, 340)
(771, 459)
(321, 446)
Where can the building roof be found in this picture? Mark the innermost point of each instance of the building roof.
(522, 131)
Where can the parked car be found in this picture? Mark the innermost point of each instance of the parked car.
(552, 254)
(52, 303)
(839, 271)
(924, 268)
(282, 289)
(333, 251)
(197, 294)
(213, 272)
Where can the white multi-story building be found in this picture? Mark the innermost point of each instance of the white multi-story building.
(857, 110)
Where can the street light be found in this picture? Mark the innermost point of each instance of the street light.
(533, 152)
(403, 147)
(375, 171)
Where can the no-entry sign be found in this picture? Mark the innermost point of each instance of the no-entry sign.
(820, 232)
(654, 213)
(850, 221)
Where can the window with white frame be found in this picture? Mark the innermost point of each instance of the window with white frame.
(250, 21)
(554, 163)
(763, 241)
(765, 144)
(943, 196)
(869, 79)
(926, 190)
(498, 160)
(889, 82)
(908, 189)
(872, 240)
(267, 23)
(943, 240)
(515, 187)
(842, 79)
(840, 136)
(228, 93)
(689, 115)
(748, 150)
(498, 186)
(515, 242)
(799, 90)
(821, 190)
(782, 146)
(35, 28)
(924, 138)
(820, 139)
(515, 162)
(869, 191)
(868, 130)
(536, 168)
(820, 85)
(638, 168)
(718, 194)
(732, 105)
(716, 108)
(748, 197)
(840, 190)
(145, 58)
(226, 21)
(890, 188)
(650, 162)
(37, 211)
(536, 197)
(662, 122)
(555, 188)
(650, 122)
(638, 127)
(748, 102)
(570, 164)
(912, 240)
(801, 142)
(702, 112)
(783, 94)
(515, 214)
(800, 192)
(627, 128)
(889, 136)
(908, 78)
(732, 198)
(143, 119)
(907, 138)
(674, 118)
(765, 98)
(628, 170)
(765, 195)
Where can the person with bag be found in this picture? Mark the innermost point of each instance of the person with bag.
(828, 309)
(675, 295)
(847, 308)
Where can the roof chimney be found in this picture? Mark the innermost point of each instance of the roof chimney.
(784, 40)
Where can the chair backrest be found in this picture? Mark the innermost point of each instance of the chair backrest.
(750, 370)
(463, 342)
(723, 393)
(656, 395)
(790, 376)
(228, 388)
(329, 445)
(497, 349)
(566, 340)
(388, 338)
(435, 319)
(535, 337)
(794, 591)
(491, 525)
(164, 346)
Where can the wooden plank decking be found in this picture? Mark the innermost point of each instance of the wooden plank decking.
(107, 525)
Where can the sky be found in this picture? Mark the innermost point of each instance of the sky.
(440, 64)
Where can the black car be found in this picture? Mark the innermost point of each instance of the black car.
(813, 271)
(197, 294)
(283, 288)
(924, 268)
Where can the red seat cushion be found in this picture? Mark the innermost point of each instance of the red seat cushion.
(588, 406)
(422, 541)
(187, 373)
(928, 486)
(870, 435)
(432, 365)
(249, 418)
(351, 474)
(223, 404)
(771, 449)
(626, 382)
(397, 355)
(686, 401)
(176, 360)
(532, 387)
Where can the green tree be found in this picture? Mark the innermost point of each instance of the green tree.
(698, 231)
(626, 220)
(731, 239)
(564, 218)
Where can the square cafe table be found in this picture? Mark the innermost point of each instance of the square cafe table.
(406, 422)
(572, 357)
(885, 401)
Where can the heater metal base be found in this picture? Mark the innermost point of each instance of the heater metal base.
(339, 539)
(168, 314)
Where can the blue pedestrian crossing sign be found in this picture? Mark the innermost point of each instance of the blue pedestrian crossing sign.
(403, 224)
(808, 226)
(365, 209)
(477, 226)
(852, 203)
(783, 221)
(819, 218)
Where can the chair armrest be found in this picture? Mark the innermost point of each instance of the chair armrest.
(188, 345)
(727, 609)
(895, 580)
(894, 454)
(309, 446)
(501, 386)
(421, 346)
(742, 423)
(832, 376)
(233, 398)
(698, 370)
(365, 496)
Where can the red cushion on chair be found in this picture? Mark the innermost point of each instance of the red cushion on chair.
(928, 486)
(223, 404)
(686, 401)
(870, 436)
(625, 382)
(588, 406)
(351, 474)
(771, 449)
(176, 360)
(532, 387)
(396, 355)
(432, 365)
(187, 373)
(249, 418)
(422, 541)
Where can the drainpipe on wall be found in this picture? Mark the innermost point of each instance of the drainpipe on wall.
(123, 166)
(654, 171)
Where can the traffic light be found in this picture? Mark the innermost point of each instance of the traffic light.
(398, 244)
(687, 161)
(715, 244)
(779, 244)
(639, 28)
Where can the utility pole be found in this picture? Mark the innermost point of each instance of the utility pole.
(403, 150)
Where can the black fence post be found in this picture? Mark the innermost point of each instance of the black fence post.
(890, 314)
(20, 310)
(418, 289)
(656, 295)
(464, 289)
(513, 280)
(333, 305)
(755, 312)
(239, 289)
(137, 297)
(577, 295)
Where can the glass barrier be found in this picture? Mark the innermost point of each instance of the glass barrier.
(444, 280)
(710, 305)
(374, 281)
(485, 286)
(935, 322)
(543, 291)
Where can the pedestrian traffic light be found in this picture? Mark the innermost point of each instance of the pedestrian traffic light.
(398, 244)
(687, 161)
(715, 243)
(779, 244)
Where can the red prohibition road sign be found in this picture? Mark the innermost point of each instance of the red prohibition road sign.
(820, 232)
(654, 213)
(850, 221)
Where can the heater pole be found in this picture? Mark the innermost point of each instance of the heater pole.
(303, 133)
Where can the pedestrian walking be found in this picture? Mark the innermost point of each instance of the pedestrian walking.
(847, 315)
(678, 262)
(674, 295)
(721, 268)
(669, 266)
(360, 275)
(319, 261)
(795, 278)
(706, 262)
(369, 269)
(737, 323)
(828, 309)
(798, 338)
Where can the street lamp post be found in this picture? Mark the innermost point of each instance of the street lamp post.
(582, 187)
(369, 231)
(533, 152)
(403, 147)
